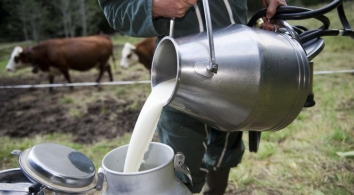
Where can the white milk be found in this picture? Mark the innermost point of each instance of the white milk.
(146, 124)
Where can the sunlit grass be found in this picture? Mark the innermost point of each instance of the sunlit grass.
(95, 152)
(122, 39)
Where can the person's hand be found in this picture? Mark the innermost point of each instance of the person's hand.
(271, 6)
(171, 8)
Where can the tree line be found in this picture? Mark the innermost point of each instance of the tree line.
(42, 19)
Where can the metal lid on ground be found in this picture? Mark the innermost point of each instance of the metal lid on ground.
(58, 168)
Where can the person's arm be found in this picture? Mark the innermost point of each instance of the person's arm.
(171, 8)
(143, 18)
(271, 6)
(133, 17)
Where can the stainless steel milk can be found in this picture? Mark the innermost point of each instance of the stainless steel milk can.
(261, 82)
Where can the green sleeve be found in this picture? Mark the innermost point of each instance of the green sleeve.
(133, 17)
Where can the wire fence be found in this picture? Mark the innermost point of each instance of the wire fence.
(74, 84)
(85, 84)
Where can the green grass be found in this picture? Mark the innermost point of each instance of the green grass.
(4, 73)
(119, 39)
(3, 64)
(95, 151)
(65, 100)
(304, 153)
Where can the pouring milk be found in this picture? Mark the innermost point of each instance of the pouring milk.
(146, 124)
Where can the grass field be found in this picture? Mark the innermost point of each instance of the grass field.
(307, 157)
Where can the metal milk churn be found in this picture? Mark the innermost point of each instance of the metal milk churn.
(237, 78)
(155, 177)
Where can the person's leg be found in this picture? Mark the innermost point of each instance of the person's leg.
(216, 181)
(225, 150)
(187, 135)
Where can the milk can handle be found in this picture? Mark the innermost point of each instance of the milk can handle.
(213, 66)
(172, 26)
(290, 30)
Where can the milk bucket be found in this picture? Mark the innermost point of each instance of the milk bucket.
(155, 177)
(261, 82)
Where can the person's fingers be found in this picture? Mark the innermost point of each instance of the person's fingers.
(190, 2)
(171, 8)
(272, 6)
(271, 9)
(184, 6)
(268, 26)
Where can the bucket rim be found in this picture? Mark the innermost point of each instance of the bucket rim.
(105, 168)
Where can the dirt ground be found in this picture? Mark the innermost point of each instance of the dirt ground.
(28, 112)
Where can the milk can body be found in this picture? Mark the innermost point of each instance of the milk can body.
(261, 83)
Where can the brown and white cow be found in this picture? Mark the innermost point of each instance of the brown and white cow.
(61, 55)
(141, 52)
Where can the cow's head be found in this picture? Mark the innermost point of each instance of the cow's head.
(20, 58)
(129, 56)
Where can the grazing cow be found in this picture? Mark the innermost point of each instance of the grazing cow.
(142, 52)
(60, 55)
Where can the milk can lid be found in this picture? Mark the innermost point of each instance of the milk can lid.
(58, 167)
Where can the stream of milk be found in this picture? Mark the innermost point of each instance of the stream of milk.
(146, 124)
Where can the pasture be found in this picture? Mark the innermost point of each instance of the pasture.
(310, 156)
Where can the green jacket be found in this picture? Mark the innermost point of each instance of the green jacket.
(134, 17)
